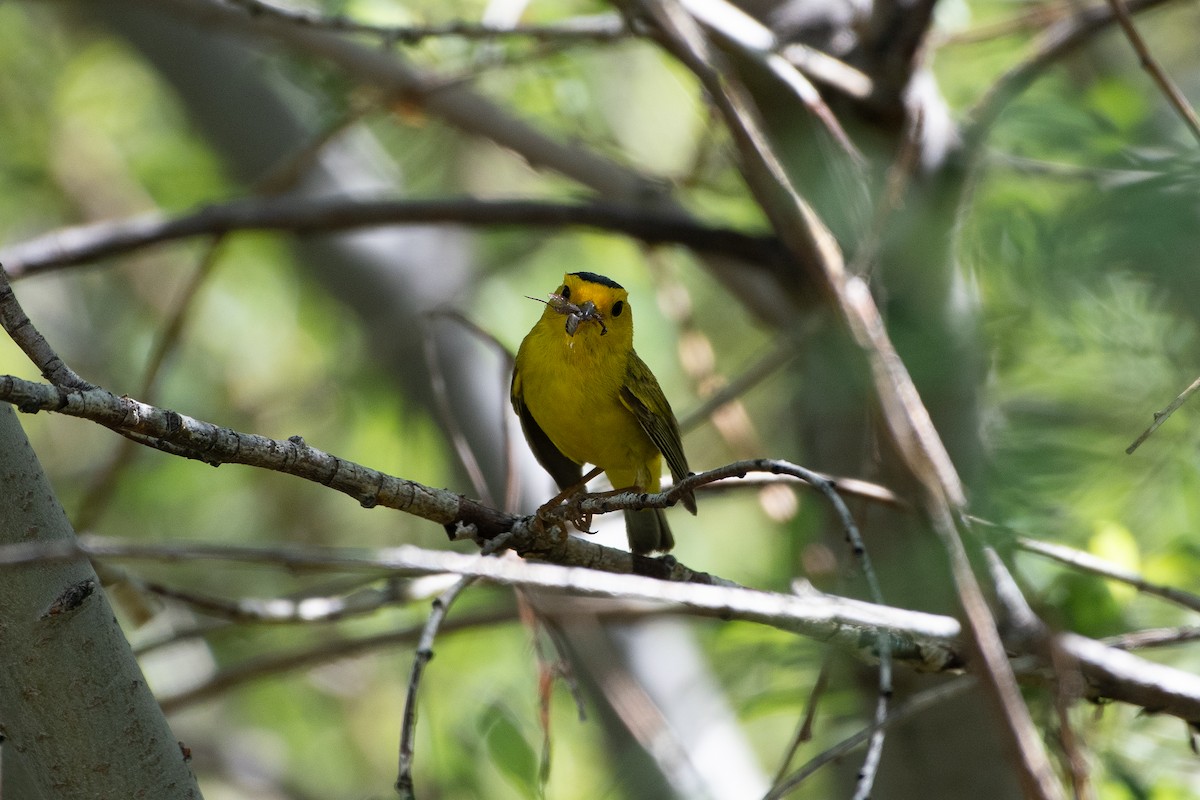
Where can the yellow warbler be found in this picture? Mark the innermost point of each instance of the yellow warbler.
(584, 396)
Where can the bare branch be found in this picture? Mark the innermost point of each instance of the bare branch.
(1174, 96)
(204, 441)
(924, 641)
(83, 244)
(1056, 42)
(906, 710)
(738, 30)
(397, 79)
(1086, 562)
(1110, 672)
(595, 28)
(216, 445)
(332, 650)
(22, 331)
(1155, 637)
(1161, 416)
(908, 422)
(404, 779)
(285, 610)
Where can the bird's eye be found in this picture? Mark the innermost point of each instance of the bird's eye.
(565, 292)
(618, 307)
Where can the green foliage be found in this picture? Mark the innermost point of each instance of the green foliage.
(511, 752)
(1078, 239)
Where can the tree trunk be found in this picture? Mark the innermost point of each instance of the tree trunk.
(77, 717)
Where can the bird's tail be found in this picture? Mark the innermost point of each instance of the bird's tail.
(648, 531)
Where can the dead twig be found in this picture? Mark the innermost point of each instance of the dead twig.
(1161, 416)
(441, 606)
(1174, 96)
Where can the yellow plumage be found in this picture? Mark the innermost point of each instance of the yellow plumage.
(584, 396)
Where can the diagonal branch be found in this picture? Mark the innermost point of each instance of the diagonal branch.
(907, 420)
(1161, 416)
(1056, 42)
(395, 78)
(424, 654)
(31, 341)
(1174, 96)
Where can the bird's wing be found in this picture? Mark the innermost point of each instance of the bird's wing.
(642, 395)
(564, 471)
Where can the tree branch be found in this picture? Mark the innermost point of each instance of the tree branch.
(82, 244)
(266, 666)
(461, 516)
(1174, 96)
(1161, 416)
(926, 642)
(595, 28)
(1057, 41)
(424, 654)
(27, 337)
(907, 420)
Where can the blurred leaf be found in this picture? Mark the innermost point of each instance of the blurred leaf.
(1114, 543)
(510, 751)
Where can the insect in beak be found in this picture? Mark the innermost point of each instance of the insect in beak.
(576, 315)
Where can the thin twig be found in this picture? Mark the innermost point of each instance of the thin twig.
(335, 649)
(904, 711)
(331, 601)
(1161, 416)
(757, 372)
(1065, 691)
(22, 331)
(1149, 63)
(804, 728)
(1086, 562)
(101, 488)
(1028, 20)
(512, 475)
(847, 487)
(1055, 42)
(1155, 637)
(441, 606)
(597, 28)
(283, 610)
(462, 445)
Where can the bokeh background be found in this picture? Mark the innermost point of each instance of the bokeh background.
(1058, 311)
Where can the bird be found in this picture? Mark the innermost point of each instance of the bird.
(583, 396)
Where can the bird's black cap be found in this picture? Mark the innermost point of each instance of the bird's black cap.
(592, 277)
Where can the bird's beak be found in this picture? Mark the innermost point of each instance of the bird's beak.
(577, 315)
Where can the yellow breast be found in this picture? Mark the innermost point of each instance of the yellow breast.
(571, 385)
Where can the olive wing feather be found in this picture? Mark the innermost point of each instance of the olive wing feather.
(642, 395)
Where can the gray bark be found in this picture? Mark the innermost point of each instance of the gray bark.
(77, 717)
